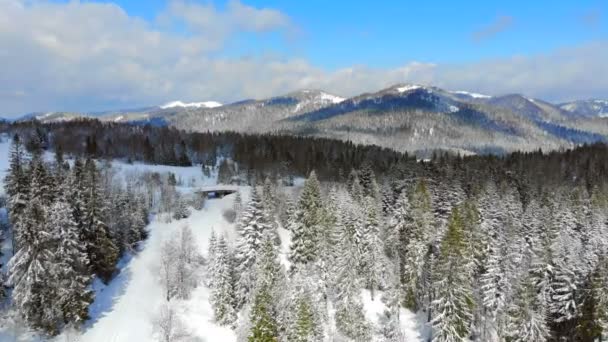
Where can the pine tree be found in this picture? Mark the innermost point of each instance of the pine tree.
(71, 277)
(372, 248)
(350, 320)
(263, 323)
(306, 224)
(181, 210)
(390, 321)
(101, 250)
(31, 271)
(269, 279)
(17, 186)
(414, 239)
(527, 315)
(305, 322)
(223, 289)
(252, 226)
(453, 304)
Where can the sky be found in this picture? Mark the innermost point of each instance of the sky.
(60, 55)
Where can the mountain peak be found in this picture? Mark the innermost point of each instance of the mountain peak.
(206, 104)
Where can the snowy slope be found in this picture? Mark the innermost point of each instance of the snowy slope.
(206, 104)
(125, 310)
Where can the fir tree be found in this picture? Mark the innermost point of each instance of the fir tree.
(223, 295)
(101, 250)
(252, 226)
(306, 224)
(71, 277)
(17, 186)
(31, 271)
(527, 315)
(453, 304)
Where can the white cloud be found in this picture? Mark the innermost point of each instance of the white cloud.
(92, 56)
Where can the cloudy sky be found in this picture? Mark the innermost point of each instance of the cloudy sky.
(101, 55)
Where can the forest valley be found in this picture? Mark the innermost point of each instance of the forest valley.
(481, 248)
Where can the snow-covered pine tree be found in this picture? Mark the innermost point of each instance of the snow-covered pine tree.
(77, 192)
(591, 324)
(350, 320)
(223, 296)
(526, 320)
(372, 248)
(268, 287)
(31, 270)
(16, 185)
(263, 321)
(253, 224)
(101, 250)
(305, 329)
(269, 196)
(71, 273)
(306, 224)
(396, 227)
(414, 239)
(138, 219)
(303, 313)
(180, 211)
(390, 321)
(494, 287)
(567, 269)
(453, 303)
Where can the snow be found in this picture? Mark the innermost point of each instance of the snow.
(408, 88)
(125, 310)
(375, 308)
(331, 98)
(473, 95)
(206, 104)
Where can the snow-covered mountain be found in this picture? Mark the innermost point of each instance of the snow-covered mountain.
(206, 104)
(408, 117)
(587, 107)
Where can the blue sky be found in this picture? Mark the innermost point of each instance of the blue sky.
(388, 33)
(96, 55)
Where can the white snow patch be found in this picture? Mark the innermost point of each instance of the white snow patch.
(408, 88)
(119, 118)
(375, 308)
(206, 104)
(473, 95)
(331, 98)
(453, 109)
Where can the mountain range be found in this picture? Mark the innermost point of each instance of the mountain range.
(405, 117)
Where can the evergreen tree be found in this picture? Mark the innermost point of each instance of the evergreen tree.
(372, 248)
(71, 275)
(252, 226)
(350, 320)
(414, 238)
(101, 250)
(263, 322)
(269, 279)
(306, 224)
(16, 185)
(453, 304)
(31, 271)
(527, 315)
(223, 295)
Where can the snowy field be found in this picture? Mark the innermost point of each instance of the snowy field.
(125, 309)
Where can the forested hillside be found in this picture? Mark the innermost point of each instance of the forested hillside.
(481, 248)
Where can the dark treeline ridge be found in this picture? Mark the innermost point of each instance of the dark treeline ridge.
(273, 155)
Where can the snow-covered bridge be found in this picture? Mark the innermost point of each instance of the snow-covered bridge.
(217, 191)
